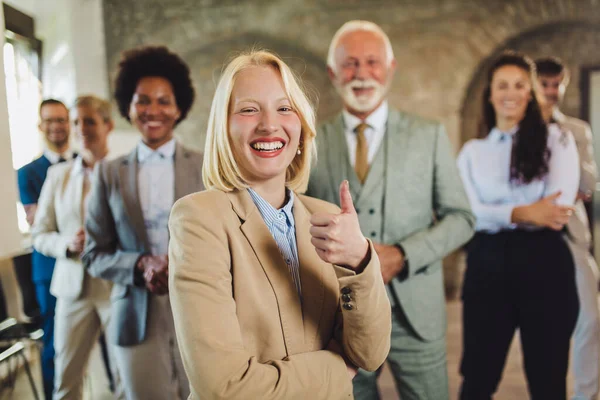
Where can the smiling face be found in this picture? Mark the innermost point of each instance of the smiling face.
(55, 125)
(553, 88)
(153, 110)
(91, 129)
(363, 73)
(510, 93)
(264, 129)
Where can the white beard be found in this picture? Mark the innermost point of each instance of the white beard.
(363, 103)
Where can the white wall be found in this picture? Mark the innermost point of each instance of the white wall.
(74, 54)
(10, 236)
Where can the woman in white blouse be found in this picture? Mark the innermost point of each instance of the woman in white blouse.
(521, 180)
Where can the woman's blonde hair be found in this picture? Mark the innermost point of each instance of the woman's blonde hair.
(220, 169)
(96, 103)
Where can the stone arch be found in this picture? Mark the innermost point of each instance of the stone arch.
(206, 63)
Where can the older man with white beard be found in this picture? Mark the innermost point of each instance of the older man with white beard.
(409, 199)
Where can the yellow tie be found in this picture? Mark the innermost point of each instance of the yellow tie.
(361, 166)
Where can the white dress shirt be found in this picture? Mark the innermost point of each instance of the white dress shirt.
(54, 157)
(484, 166)
(156, 190)
(377, 122)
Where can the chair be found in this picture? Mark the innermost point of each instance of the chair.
(18, 349)
(13, 336)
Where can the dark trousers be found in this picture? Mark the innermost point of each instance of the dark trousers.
(47, 304)
(518, 280)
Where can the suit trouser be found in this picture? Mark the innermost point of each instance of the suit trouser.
(47, 303)
(78, 324)
(586, 338)
(524, 280)
(153, 369)
(418, 367)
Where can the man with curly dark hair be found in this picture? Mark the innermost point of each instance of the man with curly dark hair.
(126, 224)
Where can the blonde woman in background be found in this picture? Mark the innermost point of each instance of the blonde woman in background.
(83, 302)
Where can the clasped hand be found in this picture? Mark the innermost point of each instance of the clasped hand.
(155, 270)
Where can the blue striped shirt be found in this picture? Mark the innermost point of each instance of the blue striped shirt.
(282, 226)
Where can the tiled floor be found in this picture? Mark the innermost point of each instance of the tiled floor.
(511, 388)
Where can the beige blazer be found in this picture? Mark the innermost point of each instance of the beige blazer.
(242, 331)
(578, 226)
(57, 220)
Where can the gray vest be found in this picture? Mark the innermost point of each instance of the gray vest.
(370, 205)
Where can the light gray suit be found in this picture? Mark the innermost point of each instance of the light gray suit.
(586, 337)
(413, 196)
(115, 239)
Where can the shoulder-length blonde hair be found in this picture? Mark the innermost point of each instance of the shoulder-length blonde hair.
(220, 169)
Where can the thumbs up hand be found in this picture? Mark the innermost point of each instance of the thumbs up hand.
(337, 237)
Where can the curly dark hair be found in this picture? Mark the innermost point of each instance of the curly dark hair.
(159, 61)
(530, 153)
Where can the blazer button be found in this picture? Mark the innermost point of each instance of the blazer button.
(346, 298)
(357, 210)
(348, 306)
(373, 234)
(346, 290)
(372, 211)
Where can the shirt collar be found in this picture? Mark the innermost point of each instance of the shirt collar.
(558, 116)
(54, 157)
(498, 136)
(144, 152)
(78, 167)
(269, 213)
(376, 120)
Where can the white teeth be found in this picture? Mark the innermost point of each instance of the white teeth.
(509, 104)
(154, 124)
(267, 146)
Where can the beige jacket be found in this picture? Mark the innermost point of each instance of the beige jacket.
(578, 226)
(58, 218)
(241, 329)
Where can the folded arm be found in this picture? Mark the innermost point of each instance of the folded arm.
(364, 326)
(46, 237)
(455, 223)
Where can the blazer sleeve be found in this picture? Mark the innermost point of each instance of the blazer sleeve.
(46, 237)
(364, 328)
(208, 331)
(102, 255)
(455, 222)
(27, 191)
(588, 169)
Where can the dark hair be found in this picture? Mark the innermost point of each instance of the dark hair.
(153, 61)
(530, 154)
(48, 102)
(551, 66)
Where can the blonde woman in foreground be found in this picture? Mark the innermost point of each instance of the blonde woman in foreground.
(275, 295)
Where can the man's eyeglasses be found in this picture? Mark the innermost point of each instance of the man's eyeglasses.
(61, 121)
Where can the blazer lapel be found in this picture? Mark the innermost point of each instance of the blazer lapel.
(186, 172)
(266, 250)
(129, 189)
(311, 275)
(337, 151)
(396, 167)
